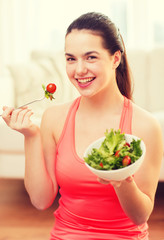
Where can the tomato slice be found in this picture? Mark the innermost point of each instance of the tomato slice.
(117, 153)
(127, 144)
(126, 161)
(101, 164)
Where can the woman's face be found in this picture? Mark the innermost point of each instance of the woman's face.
(89, 65)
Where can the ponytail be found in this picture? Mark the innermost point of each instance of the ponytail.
(123, 73)
(124, 77)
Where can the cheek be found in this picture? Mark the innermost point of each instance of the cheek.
(69, 71)
(96, 69)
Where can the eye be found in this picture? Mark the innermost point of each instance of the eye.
(91, 57)
(70, 59)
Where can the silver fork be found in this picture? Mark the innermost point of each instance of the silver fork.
(36, 100)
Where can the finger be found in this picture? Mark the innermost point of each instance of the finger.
(17, 115)
(24, 107)
(27, 117)
(115, 183)
(22, 114)
(14, 116)
(129, 179)
(4, 108)
(7, 111)
(103, 181)
(6, 115)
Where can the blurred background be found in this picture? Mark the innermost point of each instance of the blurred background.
(26, 25)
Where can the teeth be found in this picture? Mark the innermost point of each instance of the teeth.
(85, 80)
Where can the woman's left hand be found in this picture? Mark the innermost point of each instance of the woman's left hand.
(113, 182)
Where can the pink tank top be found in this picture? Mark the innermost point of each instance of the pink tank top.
(86, 204)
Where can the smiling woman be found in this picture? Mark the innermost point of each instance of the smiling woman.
(91, 208)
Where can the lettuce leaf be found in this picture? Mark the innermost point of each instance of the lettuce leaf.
(114, 141)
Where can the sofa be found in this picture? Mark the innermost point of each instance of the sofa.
(22, 82)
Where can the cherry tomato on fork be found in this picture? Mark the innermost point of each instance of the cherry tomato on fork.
(51, 88)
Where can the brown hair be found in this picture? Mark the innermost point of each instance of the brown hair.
(112, 41)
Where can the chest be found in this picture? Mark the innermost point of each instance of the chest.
(87, 131)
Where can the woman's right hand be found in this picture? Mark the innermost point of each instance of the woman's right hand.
(19, 120)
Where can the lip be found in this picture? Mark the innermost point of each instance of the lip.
(85, 84)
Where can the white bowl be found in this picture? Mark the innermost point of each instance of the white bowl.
(116, 174)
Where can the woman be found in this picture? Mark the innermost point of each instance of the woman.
(90, 208)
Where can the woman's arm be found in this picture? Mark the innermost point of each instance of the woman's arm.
(136, 195)
(39, 180)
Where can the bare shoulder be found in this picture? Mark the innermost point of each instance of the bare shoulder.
(146, 126)
(55, 112)
(144, 123)
(54, 118)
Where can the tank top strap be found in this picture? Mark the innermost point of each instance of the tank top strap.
(126, 117)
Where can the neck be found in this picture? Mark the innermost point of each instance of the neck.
(103, 102)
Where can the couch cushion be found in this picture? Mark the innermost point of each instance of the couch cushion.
(10, 141)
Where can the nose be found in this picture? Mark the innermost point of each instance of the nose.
(81, 68)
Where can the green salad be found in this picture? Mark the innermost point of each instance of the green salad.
(114, 152)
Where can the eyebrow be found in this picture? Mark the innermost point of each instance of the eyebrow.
(85, 54)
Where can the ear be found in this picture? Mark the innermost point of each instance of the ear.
(116, 59)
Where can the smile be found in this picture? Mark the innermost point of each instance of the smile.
(85, 80)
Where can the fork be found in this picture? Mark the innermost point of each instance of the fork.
(36, 100)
